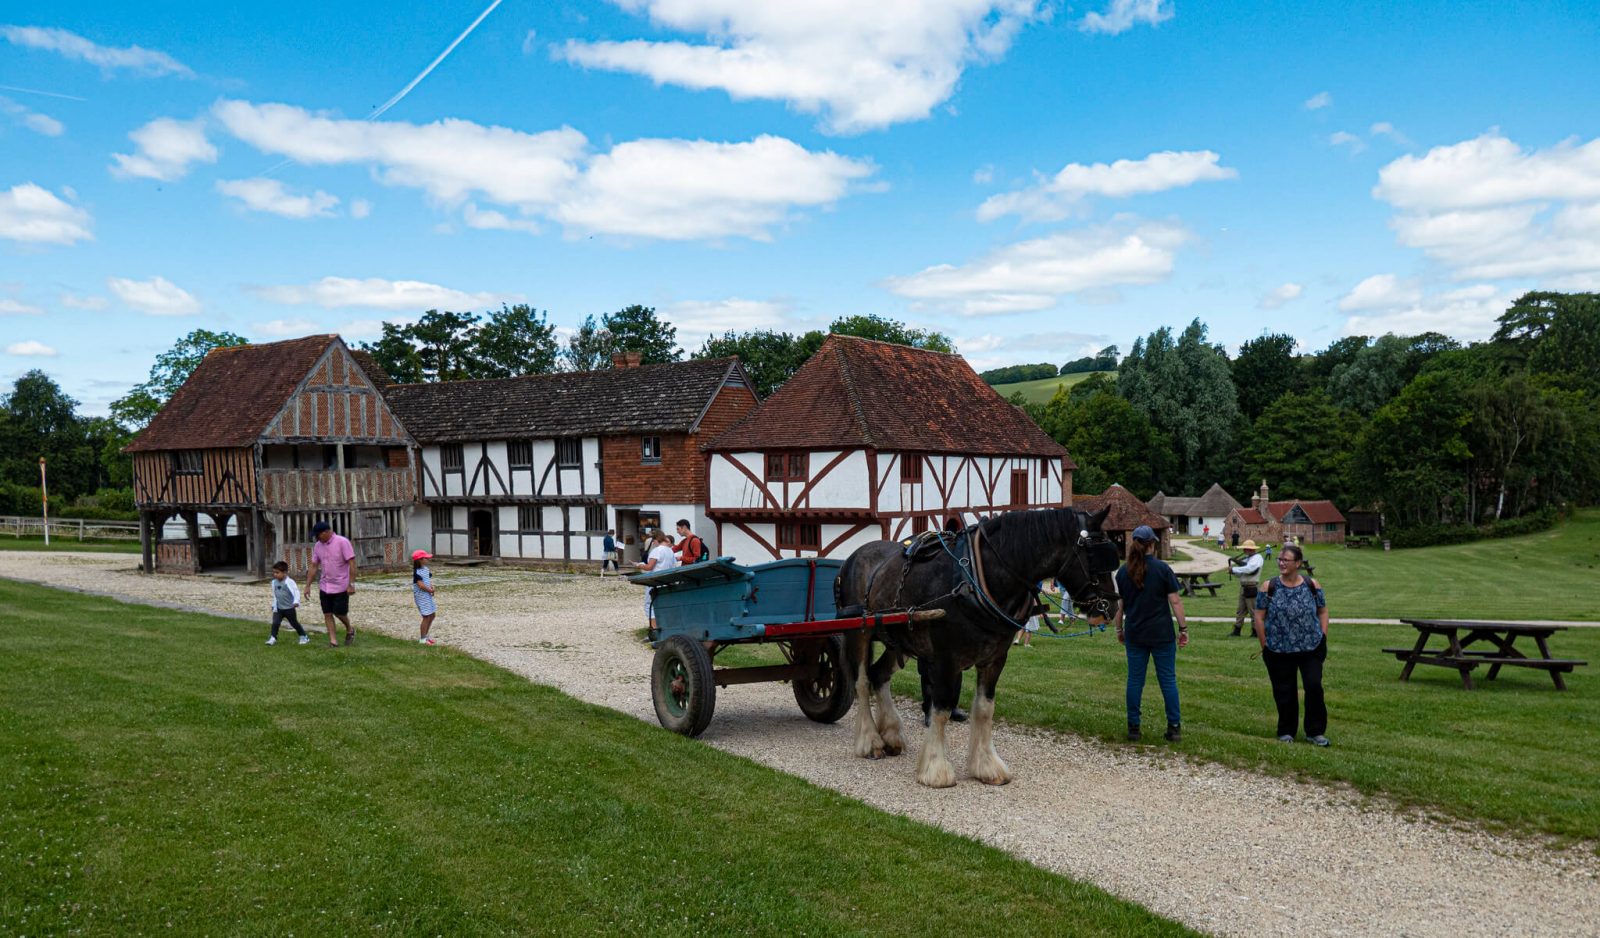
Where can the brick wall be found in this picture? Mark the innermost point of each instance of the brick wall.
(680, 477)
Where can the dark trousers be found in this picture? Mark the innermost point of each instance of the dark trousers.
(279, 615)
(1282, 668)
(610, 559)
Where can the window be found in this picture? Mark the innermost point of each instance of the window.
(519, 454)
(530, 519)
(570, 452)
(188, 462)
(786, 467)
(910, 468)
(297, 525)
(594, 517)
(919, 524)
(451, 457)
(442, 520)
(1330, 528)
(650, 450)
(1019, 486)
(798, 536)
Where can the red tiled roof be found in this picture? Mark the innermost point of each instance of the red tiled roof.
(1322, 512)
(858, 392)
(1278, 509)
(232, 396)
(1251, 516)
(1127, 512)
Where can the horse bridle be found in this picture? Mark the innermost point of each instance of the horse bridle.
(1106, 561)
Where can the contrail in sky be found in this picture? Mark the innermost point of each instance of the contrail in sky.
(50, 94)
(432, 65)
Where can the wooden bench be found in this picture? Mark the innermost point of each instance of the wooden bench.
(1502, 635)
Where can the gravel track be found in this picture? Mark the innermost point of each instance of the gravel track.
(1222, 850)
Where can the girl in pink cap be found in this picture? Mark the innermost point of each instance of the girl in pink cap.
(422, 591)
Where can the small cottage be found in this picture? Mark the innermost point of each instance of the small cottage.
(1127, 513)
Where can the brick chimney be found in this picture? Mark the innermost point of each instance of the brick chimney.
(626, 359)
(1259, 500)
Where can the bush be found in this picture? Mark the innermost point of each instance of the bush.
(19, 499)
(1011, 374)
(117, 501)
(1433, 535)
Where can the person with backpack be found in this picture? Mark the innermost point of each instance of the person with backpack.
(690, 549)
(1291, 621)
(1150, 599)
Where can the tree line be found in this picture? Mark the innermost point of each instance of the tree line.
(1432, 432)
(1103, 360)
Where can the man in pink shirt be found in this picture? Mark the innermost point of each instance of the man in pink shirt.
(335, 560)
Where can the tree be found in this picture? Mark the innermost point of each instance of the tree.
(1103, 360)
(172, 368)
(446, 345)
(1185, 389)
(1263, 371)
(870, 326)
(636, 329)
(1413, 456)
(517, 340)
(590, 348)
(1570, 347)
(1510, 421)
(41, 420)
(398, 355)
(1110, 440)
(1302, 442)
(1377, 372)
(769, 358)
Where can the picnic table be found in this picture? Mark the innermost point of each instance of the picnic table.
(1189, 583)
(1459, 635)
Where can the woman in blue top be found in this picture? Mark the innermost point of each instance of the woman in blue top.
(1292, 626)
(1149, 592)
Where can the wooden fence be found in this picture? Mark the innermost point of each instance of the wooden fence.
(71, 528)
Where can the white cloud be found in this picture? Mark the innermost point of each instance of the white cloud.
(166, 147)
(25, 116)
(362, 329)
(1318, 101)
(491, 220)
(861, 66)
(377, 293)
(1386, 129)
(1488, 209)
(75, 301)
(1033, 275)
(668, 189)
(31, 349)
(1468, 314)
(1054, 198)
(270, 195)
(1278, 296)
(284, 327)
(1381, 291)
(360, 208)
(1123, 15)
(1342, 138)
(697, 319)
(10, 307)
(983, 175)
(157, 296)
(989, 350)
(73, 46)
(33, 213)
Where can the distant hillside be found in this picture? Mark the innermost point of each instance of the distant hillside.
(1040, 391)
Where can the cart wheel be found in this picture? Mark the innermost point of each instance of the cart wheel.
(827, 693)
(682, 687)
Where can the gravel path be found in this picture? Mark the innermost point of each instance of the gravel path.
(1225, 851)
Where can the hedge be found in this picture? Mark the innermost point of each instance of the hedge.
(1433, 535)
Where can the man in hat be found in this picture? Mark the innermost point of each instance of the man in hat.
(1249, 573)
(334, 560)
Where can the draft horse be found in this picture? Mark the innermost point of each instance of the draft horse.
(984, 578)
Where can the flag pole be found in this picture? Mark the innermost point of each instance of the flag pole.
(44, 495)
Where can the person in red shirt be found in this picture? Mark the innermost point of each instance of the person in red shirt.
(690, 548)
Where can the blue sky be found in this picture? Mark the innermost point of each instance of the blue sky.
(1034, 179)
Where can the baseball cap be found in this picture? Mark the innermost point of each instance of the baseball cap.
(1144, 533)
(421, 555)
(321, 526)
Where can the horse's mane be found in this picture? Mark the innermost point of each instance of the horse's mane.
(1037, 528)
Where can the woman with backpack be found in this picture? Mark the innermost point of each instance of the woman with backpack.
(1291, 622)
(1150, 598)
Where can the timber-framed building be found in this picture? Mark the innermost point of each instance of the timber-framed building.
(265, 441)
(539, 467)
(869, 441)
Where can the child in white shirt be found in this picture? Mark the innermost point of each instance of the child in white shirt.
(285, 600)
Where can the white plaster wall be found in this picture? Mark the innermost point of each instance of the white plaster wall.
(866, 536)
(730, 488)
(430, 459)
(891, 492)
(737, 544)
(419, 528)
(845, 485)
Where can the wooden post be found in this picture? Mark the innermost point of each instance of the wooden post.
(256, 549)
(191, 527)
(146, 548)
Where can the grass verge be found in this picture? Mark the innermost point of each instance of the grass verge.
(165, 771)
(68, 545)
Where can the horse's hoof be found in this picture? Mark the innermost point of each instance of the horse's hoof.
(940, 776)
(892, 750)
(996, 780)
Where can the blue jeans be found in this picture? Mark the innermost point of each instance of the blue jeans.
(1166, 657)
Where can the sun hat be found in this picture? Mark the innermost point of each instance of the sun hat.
(1248, 545)
(1144, 533)
(321, 526)
(421, 555)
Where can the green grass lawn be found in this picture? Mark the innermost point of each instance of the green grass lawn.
(1554, 574)
(166, 771)
(60, 543)
(1040, 391)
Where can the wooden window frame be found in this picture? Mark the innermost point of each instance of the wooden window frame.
(650, 451)
(919, 524)
(512, 447)
(188, 462)
(452, 457)
(448, 512)
(1019, 495)
(536, 512)
(910, 469)
(786, 470)
(592, 513)
(569, 452)
(792, 535)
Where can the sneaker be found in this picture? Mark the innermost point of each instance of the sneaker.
(349, 637)
(1133, 733)
(1174, 733)
(1285, 738)
(424, 641)
(272, 640)
(304, 640)
(1318, 740)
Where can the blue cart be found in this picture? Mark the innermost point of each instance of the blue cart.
(718, 603)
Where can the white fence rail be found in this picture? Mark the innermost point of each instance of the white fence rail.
(79, 528)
